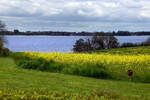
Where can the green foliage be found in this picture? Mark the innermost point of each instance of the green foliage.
(5, 52)
(39, 64)
(33, 64)
(96, 71)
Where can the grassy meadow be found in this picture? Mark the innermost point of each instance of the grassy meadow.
(25, 76)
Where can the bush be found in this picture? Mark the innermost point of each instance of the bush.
(96, 71)
(96, 43)
(34, 64)
(39, 64)
(5, 52)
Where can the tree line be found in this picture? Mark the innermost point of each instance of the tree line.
(61, 33)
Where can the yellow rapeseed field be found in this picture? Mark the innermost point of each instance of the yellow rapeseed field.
(138, 62)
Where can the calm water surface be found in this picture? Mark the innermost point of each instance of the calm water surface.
(55, 43)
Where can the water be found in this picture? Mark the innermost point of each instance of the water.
(55, 43)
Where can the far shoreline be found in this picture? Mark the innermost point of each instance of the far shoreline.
(83, 33)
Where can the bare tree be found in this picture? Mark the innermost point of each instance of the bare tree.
(81, 45)
(2, 39)
(97, 42)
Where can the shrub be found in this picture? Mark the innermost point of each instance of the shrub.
(39, 64)
(96, 71)
(55, 66)
(5, 52)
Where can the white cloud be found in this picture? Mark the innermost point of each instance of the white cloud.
(111, 10)
(145, 10)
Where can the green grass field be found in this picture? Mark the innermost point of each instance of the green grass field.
(17, 83)
(12, 77)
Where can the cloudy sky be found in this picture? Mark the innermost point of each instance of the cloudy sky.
(76, 15)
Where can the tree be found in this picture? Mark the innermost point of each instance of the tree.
(2, 39)
(2, 26)
(81, 45)
(16, 31)
(97, 42)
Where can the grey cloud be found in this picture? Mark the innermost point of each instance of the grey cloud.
(134, 11)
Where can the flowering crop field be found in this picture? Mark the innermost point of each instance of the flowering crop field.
(117, 62)
(135, 62)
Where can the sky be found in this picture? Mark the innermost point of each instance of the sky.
(76, 15)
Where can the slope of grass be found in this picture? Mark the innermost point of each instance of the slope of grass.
(12, 77)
